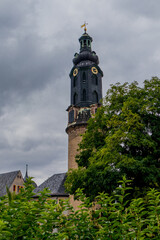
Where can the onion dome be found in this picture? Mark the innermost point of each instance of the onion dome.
(86, 54)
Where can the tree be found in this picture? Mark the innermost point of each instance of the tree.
(123, 138)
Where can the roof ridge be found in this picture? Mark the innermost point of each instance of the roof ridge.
(10, 172)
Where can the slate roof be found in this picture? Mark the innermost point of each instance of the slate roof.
(55, 184)
(6, 179)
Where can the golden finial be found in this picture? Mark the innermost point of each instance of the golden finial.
(84, 25)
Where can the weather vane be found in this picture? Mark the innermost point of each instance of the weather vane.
(84, 25)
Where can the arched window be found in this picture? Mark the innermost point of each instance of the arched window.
(94, 79)
(75, 98)
(74, 81)
(84, 77)
(95, 97)
(84, 95)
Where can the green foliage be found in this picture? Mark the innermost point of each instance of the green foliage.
(123, 138)
(109, 217)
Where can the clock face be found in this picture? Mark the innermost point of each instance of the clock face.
(75, 72)
(94, 70)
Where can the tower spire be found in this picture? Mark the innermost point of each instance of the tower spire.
(86, 93)
(26, 176)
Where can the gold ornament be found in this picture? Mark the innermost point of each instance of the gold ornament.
(94, 70)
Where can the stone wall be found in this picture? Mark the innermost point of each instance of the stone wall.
(17, 183)
(74, 138)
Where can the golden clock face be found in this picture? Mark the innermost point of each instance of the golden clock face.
(75, 72)
(94, 70)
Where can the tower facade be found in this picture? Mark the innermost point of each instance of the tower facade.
(86, 93)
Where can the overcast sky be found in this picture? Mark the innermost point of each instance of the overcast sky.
(38, 39)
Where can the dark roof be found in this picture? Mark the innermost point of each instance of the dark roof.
(55, 184)
(6, 179)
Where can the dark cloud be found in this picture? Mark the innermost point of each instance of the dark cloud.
(38, 40)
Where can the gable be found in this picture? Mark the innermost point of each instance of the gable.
(7, 179)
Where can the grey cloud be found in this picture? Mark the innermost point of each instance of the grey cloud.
(149, 9)
(38, 40)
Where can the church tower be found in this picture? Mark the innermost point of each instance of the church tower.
(86, 93)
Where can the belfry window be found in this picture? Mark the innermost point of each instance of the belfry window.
(75, 98)
(84, 95)
(95, 97)
(71, 116)
(84, 77)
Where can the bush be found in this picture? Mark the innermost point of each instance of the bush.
(110, 217)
